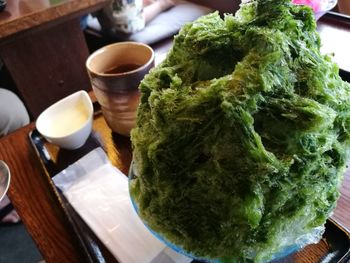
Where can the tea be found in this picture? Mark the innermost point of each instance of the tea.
(122, 68)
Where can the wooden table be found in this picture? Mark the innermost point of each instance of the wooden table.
(334, 31)
(44, 49)
(31, 192)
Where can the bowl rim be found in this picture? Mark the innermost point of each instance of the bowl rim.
(110, 46)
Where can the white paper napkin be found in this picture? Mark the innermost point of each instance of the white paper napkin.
(99, 193)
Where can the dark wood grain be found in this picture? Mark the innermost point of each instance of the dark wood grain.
(36, 201)
(44, 49)
(35, 197)
(342, 211)
(22, 15)
(47, 65)
(335, 39)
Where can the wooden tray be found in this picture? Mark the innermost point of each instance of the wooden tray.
(334, 247)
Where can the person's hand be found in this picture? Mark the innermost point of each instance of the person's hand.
(163, 4)
(166, 4)
(155, 7)
(148, 2)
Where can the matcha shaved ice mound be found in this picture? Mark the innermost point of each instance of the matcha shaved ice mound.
(242, 135)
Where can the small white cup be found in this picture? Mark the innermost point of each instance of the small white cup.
(68, 122)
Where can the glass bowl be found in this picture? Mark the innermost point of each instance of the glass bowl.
(327, 6)
(320, 7)
(174, 247)
(285, 252)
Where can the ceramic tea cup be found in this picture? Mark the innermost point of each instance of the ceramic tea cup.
(115, 73)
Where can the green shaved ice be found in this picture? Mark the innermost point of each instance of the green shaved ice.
(242, 134)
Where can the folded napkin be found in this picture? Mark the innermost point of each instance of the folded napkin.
(99, 193)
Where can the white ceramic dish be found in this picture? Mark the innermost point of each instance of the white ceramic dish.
(68, 122)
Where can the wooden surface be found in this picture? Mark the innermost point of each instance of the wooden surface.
(35, 201)
(33, 195)
(48, 65)
(342, 212)
(43, 47)
(20, 15)
(335, 39)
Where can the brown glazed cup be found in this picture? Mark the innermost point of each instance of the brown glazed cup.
(115, 73)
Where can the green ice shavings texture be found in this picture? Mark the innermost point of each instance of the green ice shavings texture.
(242, 134)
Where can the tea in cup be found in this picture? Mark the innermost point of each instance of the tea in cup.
(115, 72)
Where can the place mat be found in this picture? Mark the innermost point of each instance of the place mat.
(99, 193)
